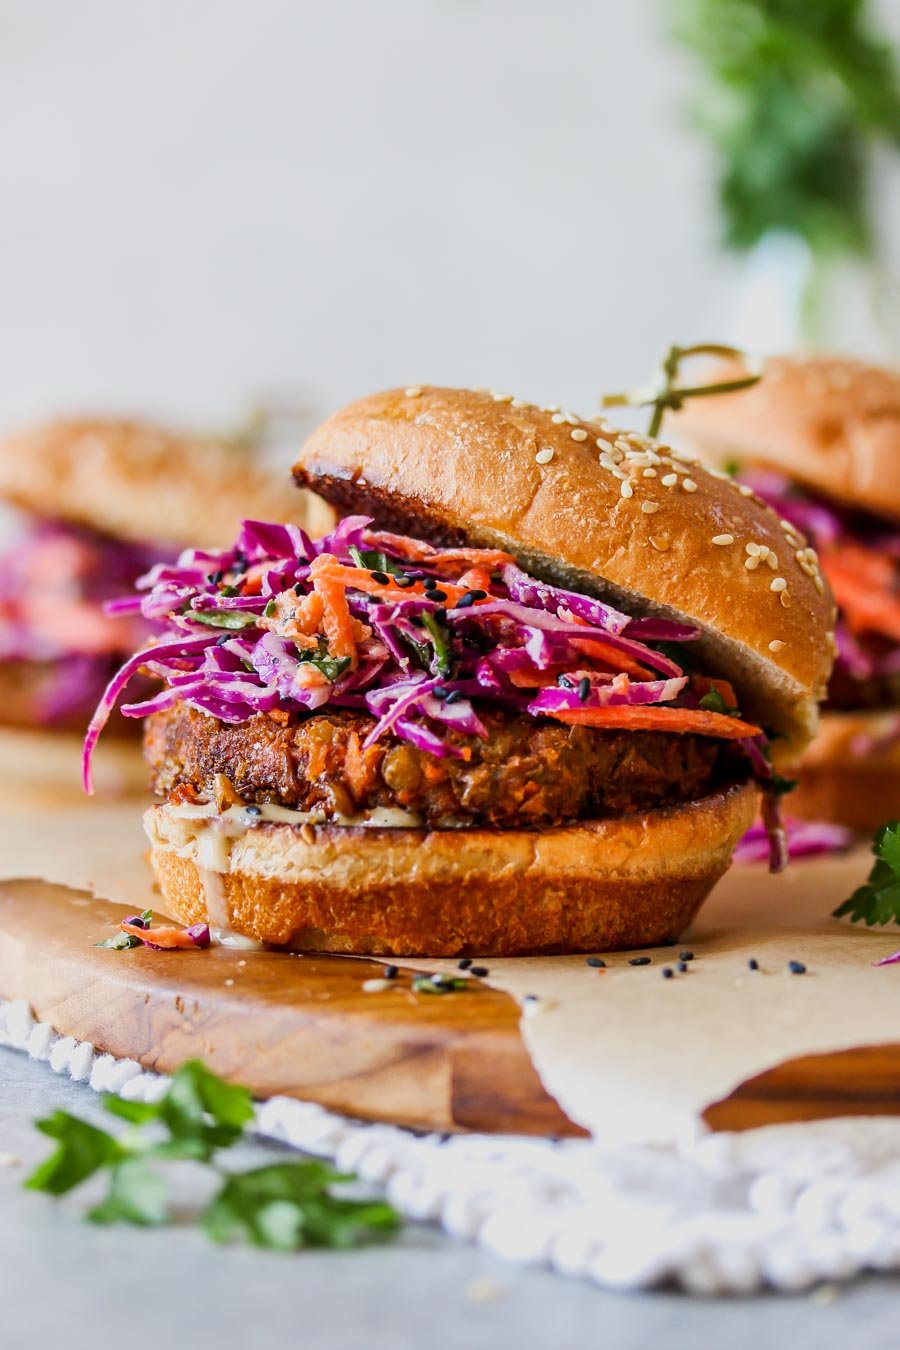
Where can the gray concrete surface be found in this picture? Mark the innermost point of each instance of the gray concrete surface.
(64, 1282)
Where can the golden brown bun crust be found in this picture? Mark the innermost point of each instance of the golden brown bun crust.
(830, 423)
(601, 886)
(135, 481)
(454, 464)
(851, 772)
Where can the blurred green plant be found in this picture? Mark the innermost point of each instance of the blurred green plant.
(797, 94)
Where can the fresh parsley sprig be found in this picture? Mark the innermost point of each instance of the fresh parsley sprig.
(877, 901)
(283, 1205)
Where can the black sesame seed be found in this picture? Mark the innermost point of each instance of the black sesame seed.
(667, 972)
(253, 810)
(391, 972)
(668, 942)
(417, 621)
(584, 689)
(465, 963)
(480, 971)
(216, 577)
(454, 696)
(597, 962)
(796, 967)
(478, 594)
(220, 642)
(437, 595)
(753, 963)
(685, 956)
(682, 966)
(564, 682)
(465, 601)
(531, 998)
(440, 693)
(640, 961)
(382, 578)
(298, 588)
(430, 583)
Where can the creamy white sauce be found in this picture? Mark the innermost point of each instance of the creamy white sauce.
(212, 834)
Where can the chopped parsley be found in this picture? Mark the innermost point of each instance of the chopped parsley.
(285, 1205)
(224, 618)
(375, 561)
(877, 901)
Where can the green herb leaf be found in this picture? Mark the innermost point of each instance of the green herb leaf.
(137, 1194)
(121, 942)
(877, 901)
(224, 618)
(374, 561)
(714, 702)
(332, 667)
(438, 984)
(796, 94)
(81, 1151)
(290, 1205)
(443, 656)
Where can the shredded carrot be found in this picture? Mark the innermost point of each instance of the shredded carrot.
(611, 656)
(416, 551)
(168, 937)
(643, 717)
(359, 766)
(863, 582)
(476, 579)
(336, 619)
(279, 715)
(361, 580)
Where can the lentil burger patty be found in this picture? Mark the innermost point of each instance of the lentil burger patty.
(527, 772)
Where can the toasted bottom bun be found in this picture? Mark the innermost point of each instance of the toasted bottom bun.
(605, 885)
(43, 768)
(851, 772)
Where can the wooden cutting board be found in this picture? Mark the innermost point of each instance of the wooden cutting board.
(304, 1026)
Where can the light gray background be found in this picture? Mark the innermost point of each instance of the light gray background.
(203, 199)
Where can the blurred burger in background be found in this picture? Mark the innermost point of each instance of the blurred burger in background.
(92, 504)
(819, 440)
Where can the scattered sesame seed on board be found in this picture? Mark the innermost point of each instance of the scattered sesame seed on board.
(776, 645)
(544, 456)
(723, 540)
(579, 434)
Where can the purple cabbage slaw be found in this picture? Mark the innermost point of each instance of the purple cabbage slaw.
(55, 580)
(424, 666)
(825, 524)
(803, 839)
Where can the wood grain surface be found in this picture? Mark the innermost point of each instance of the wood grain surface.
(304, 1026)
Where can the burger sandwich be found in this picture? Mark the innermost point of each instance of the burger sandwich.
(818, 439)
(523, 698)
(95, 503)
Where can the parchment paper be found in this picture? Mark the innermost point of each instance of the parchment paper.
(627, 1053)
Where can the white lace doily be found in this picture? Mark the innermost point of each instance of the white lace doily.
(783, 1207)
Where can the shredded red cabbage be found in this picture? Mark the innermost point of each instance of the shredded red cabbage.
(421, 638)
(804, 839)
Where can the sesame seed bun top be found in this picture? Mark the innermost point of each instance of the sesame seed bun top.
(598, 510)
(830, 423)
(139, 482)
